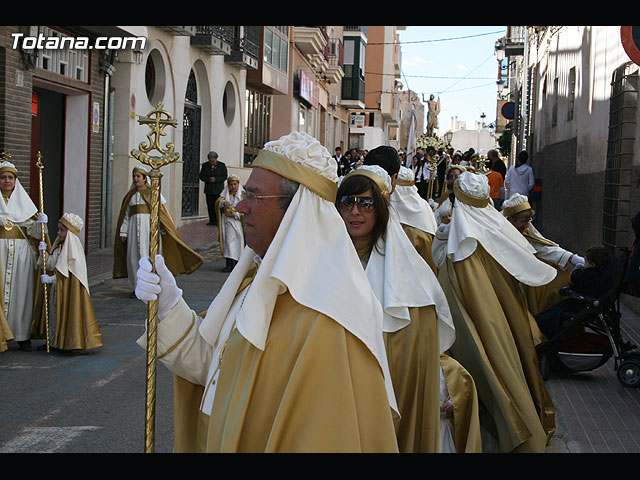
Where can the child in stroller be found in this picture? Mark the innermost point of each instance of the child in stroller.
(592, 280)
(583, 331)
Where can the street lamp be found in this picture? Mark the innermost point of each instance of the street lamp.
(448, 137)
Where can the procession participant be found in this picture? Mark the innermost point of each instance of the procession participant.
(443, 209)
(133, 234)
(482, 259)
(230, 233)
(22, 229)
(417, 322)
(415, 215)
(459, 409)
(253, 374)
(72, 321)
(520, 214)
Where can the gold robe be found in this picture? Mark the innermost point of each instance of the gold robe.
(76, 325)
(315, 388)
(466, 416)
(178, 256)
(414, 362)
(494, 342)
(543, 297)
(422, 241)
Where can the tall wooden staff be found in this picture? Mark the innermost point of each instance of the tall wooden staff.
(157, 120)
(44, 252)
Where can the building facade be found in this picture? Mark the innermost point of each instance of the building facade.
(230, 88)
(577, 116)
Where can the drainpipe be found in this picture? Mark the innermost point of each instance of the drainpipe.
(107, 164)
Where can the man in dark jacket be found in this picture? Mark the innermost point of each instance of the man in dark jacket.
(213, 173)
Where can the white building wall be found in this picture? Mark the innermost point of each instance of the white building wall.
(178, 57)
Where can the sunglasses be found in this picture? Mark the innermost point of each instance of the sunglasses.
(364, 203)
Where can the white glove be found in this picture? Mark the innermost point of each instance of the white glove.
(42, 246)
(431, 203)
(159, 286)
(42, 218)
(577, 261)
(44, 278)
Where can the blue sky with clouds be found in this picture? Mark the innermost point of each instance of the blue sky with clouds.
(468, 66)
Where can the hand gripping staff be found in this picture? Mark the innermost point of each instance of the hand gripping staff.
(157, 120)
(44, 252)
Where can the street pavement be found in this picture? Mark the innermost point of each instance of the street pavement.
(95, 402)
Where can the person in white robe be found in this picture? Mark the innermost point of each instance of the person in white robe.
(231, 234)
(135, 229)
(20, 231)
(299, 251)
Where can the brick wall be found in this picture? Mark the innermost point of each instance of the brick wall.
(16, 83)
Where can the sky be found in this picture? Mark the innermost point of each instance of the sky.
(467, 66)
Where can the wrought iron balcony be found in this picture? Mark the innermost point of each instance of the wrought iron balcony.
(215, 40)
(180, 31)
(244, 49)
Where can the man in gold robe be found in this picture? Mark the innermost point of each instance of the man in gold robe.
(289, 357)
(482, 259)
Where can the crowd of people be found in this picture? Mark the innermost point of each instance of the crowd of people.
(358, 315)
(427, 345)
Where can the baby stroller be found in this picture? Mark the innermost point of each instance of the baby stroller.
(588, 338)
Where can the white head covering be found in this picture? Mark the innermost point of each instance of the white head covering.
(400, 277)
(225, 191)
(412, 209)
(474, 219)
(71, 258)
(20, 207)
(519, 203)
(311, 255)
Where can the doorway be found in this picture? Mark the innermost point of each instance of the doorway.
(47, 137)
(191, 150)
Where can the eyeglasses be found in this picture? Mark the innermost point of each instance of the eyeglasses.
(364, 203)
(254, 198)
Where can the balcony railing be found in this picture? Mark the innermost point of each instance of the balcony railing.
(216, 40)
(244, 48)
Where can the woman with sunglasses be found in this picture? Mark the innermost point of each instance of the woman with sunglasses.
(417, 323)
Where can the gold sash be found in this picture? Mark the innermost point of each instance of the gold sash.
(136, 209)
(14, 233)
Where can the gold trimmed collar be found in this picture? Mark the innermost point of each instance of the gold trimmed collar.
(281, 165)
